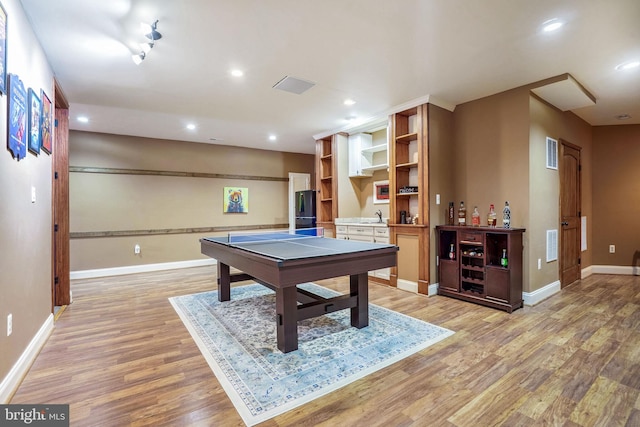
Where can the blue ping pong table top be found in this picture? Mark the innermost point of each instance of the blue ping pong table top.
(286, 246)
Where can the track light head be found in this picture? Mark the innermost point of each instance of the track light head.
(138, 58)
(150, 31)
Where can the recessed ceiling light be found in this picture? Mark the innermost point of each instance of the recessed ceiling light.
(349, 102)
(551, 25)
(237, 73)
(272, 138)
(191, 126)
(628, 65)
(83, 119)
(623, 116)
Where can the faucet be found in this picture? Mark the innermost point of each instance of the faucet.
(379, 214)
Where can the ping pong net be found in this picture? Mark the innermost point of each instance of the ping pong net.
(244, 237)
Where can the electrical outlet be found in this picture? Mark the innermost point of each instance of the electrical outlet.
(612, 249)
(539, 263)
(136, 249)
(9, 324)
(437, 199)
(33, 194)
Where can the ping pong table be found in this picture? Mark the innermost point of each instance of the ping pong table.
(281, 261)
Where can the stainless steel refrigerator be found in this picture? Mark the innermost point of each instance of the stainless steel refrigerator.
(306, 209)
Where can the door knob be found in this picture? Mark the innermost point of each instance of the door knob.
(564, 223)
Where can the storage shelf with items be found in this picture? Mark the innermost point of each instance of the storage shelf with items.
(368, 152)
(488, 267)
(327, 203)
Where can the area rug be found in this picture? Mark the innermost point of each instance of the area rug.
(238, 340)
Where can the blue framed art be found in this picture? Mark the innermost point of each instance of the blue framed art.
(45, 123)
(35, 109)
(3, 50)
(17, 129)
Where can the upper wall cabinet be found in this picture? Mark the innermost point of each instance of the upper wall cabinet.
(367, 154)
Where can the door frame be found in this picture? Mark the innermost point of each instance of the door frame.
(562, 259)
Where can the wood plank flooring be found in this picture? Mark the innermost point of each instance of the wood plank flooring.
(119, 355)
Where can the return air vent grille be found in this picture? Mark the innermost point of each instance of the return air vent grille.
(552, 153)
(552, 245)
(294, 85)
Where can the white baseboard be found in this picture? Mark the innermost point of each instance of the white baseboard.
(586, 272)
(143, 268)
(12, 381)
(433, 289)
(533, 298)
(407, 285)
(616, 269)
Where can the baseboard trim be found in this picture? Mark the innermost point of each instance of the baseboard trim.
(407, 285)
(433, 289)
(586, 272)
(143, 268)
(616, 269)
(539, 295)
(12, 381)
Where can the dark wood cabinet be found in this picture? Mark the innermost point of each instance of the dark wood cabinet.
(481, 265)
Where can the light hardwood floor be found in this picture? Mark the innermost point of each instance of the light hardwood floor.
(119, 355)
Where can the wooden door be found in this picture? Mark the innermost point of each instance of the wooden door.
(570, 212)
(61, 281)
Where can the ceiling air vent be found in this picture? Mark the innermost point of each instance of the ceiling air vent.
(552, 153)
(294, 85)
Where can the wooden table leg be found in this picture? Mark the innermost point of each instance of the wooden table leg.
(287, 319)
(224, 282)
(359, 285)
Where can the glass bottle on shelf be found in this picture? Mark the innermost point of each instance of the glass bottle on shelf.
(492, 217)
(475, 217)
(452, 219)
(452, 252)
(504, 261)
(506, 215)
(462, 214)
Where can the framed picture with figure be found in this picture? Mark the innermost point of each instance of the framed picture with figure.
(35, 109)
(45, 123)
(3, 50)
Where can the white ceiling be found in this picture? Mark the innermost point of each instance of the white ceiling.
(381, 53)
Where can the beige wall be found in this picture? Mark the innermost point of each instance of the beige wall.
(25, 227)
(491, 158)
(124, 202)
(616, 195)
(547, 121)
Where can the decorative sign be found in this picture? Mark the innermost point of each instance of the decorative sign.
(17, 129)
(236, 200)
(35, 109)
(45, 123)
(3, 50)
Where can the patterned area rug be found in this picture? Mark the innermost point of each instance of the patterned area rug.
(238, 340)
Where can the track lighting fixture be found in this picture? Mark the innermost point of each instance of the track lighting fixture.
(150, 31)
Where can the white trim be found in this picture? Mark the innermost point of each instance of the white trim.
(537, 296)
(144, 268)
(586, 272)
(12, 381)
(616, 269)
(407, 285)
(433, 289)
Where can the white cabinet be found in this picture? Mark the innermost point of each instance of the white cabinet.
(365, 233)
(364, 157)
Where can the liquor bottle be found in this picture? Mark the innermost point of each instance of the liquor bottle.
(475, 217)
(462, 214)
(452, 252)
(506, 216)
(452, 214)
(492, 217)
(504, 261)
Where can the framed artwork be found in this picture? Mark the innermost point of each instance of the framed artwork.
(17, 128)
(35, 108)
(3, 50)
(236, 200)
(381, 192)
(45, 123)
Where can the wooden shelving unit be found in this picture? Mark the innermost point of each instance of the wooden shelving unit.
(326, 183)
(473, 271)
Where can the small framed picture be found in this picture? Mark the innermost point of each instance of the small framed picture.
(34, 122)
(236, 200)
(45, 123)
(381, 192)
(17, 128)
(3, 50)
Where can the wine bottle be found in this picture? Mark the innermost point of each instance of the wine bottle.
(491, 217)
(475, 217)
(451, 220)
(504, 261)
(452, 252)
(462, 214)
(506, 215)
